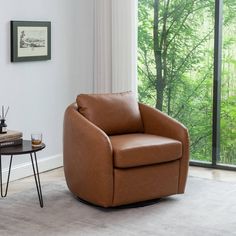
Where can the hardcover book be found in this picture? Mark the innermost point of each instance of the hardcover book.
(11, 143)
(10, 136)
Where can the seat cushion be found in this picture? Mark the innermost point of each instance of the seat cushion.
(115, 113)
(132, 150)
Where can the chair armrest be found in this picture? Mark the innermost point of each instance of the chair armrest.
(157, 123)
(88, 162)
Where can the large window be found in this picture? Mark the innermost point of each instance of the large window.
(175, 69)
(228, 89)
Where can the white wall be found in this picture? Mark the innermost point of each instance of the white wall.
(38, 92)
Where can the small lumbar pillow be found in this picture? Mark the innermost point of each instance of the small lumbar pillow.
(115, 113)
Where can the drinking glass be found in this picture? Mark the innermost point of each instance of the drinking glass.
(36, 139)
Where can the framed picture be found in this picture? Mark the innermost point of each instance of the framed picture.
(30, 40)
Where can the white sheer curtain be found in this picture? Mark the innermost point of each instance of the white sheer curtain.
(115, 46)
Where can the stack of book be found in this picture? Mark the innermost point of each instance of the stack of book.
(11, 138)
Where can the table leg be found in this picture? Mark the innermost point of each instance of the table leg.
(8, 177)
(36, 177)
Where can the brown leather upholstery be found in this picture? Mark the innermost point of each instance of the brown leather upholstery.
(122, 169)
(107, 110)
(88, 163)
(132, 150)
(158, 123)
(144, 183)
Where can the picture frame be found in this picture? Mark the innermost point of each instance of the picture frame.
(30, 41)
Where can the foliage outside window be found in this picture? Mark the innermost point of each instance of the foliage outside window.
(175, 68)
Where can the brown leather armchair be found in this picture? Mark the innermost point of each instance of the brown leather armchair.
(117, 151)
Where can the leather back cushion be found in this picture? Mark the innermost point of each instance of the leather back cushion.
(115, 113)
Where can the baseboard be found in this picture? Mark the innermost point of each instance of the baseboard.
(25, 169)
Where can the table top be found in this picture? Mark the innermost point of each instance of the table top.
(25, 148)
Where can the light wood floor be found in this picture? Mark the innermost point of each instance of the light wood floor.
(207, 173)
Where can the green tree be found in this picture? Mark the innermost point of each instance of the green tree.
(175, 68)
(176, 62)
(228, 91)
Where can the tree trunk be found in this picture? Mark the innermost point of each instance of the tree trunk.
(168, 100)
(158, 57)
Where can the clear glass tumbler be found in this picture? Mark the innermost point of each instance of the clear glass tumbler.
(36, 139)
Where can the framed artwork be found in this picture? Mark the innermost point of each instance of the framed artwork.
(30, 41)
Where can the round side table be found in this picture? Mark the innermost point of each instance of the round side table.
(25, 148)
